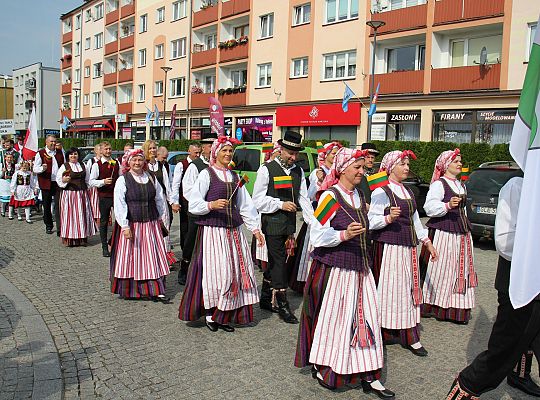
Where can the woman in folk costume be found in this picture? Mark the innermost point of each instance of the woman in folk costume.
(7, 172)
(158, 170)
(339, 329)
(299, 264)
(138, 257)
(450, 281)
(395, 230)
(92, 191)
(23, 190)
(221, 280)
(76, 219)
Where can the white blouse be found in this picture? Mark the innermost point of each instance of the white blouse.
(75, 167)
(199, 206)
(120, 205)
(434, 206)
(380, 201)
(154, 167)
(314, 182)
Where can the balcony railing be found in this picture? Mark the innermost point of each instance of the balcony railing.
(237, 52)
(66, 113)
(233, 99)
(66, 88)
(125, 108)
(128, 9)
(400, 82)
(111, 48)
(205, 16)
(203, 58)
(112, 16)
(447, 11)
(403, 19)
(110, 79)
(477, 77)
(125, 75)
(200, 100)
(66, 61)
(234, 7)
(67, 37)
(127, 42)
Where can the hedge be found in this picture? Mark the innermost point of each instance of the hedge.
(67, 143)
(313, 143)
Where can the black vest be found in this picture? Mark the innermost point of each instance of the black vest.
(281, 222)
(200, 164)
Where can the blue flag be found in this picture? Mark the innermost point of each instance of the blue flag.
(373, 106)
(346, 97)
(148, 115)
(65, 123)
(156, 115)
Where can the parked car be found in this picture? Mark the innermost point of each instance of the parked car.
(248, 158)
(483, 189)
(84, 151)
(417, 186)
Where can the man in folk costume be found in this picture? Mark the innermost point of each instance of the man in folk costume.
(514, 329)
(92, 190)
(188, 183)
(46, 164)
(369, 169)
(450, 281)
(279, 192)
(103, 176)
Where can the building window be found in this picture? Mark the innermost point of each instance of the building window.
(210, 41)
(88, 15)
(158, 51)
(240, 31)
(466, 52)
(87, 72)
(77, 48)
(299, 67)
(160, 15)
(178, 87)
(87, 43)
(98, 41)
(86, 99)
(97, 70)
(239, 77)
(96, 99)
(98, 11)
(409, 58)
(143, 23)
(78, 21)
(302, 14)
(179, 9)
(158, 88)
(178, 48)
(340, 65)
(267, 26)
(341, 10)
(397, 4)
(142, 93)
(126, 94)
(210, 84)
(77, 76)
(532, 34)
(142, 57)
(398, 126)
(264, 75)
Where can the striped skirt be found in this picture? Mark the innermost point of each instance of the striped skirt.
(221, 278)
(394, 264)
(94, 202)
(441, 276)
(76, 218)
(299, 264)
(326, 326)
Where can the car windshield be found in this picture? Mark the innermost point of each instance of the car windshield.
(177, 158)
(248, 160)
(490, 181)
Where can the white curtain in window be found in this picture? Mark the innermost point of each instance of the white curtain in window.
(328, 67)
(351, 70)
(330, 10)
(340, 65)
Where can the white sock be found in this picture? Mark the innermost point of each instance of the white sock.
(209, 318)
(10, 212)
(160, 295)
(319, 375)
(27, 213)
(377, 385)
(416, 345)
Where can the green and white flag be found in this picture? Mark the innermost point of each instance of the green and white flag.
(525, 149)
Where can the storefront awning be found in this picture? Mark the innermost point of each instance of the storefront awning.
(318, 115)
(93, 125)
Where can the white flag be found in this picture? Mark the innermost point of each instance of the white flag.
(31, 141)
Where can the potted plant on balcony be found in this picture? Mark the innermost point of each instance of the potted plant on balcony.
(221, 92)
(228, 91)
(196, 90)
(231, 43)
(243, 40)
(67, 57)
(242, 89)
(235, 90)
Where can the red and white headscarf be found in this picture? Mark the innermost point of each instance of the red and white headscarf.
(218, 144)
(344, 158)
(442, 163)
(393, 158)
(128, 155)
(328, 148)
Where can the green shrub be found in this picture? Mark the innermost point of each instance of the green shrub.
(67, 143)
(313, 143)
(116, 144)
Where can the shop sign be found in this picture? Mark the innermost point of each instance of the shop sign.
(378, 118)
(496, 116)
(6, 127)
(120, 118)
(196, 134)
(453, 116)
(51, 131)
(140, 123)
(126, 133)
(404, 117)
(318, 115)
(378, 132)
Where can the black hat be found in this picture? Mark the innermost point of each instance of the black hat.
(292, 141)
(370, 147)
(209, 139)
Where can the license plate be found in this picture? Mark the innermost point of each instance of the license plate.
(486, 210)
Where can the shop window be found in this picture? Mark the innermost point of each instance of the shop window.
(396, 126)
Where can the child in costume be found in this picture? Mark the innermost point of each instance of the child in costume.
(23, 190)
(7, 172)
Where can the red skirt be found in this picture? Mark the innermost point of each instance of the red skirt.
(21, 203)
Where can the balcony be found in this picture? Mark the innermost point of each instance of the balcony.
(205, 16)
(66, 61)
(66, 88)
(111, 48)
(202, 58)
(67, 37)
(66, 113)
(476, 77)
(125, 108)
(237, 52)
(403, 19)
(201, 100)
(112, 16)
(127, 42)
(233, 99)
(233, 7)
(400, 82)
(109, 79)
(448, 11)
(125, 75)
(127, 10)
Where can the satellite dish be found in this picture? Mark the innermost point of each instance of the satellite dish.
(483, 56)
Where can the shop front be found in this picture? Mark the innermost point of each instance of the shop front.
(321, 121)
(254, 129)
(91, 129)
(396, 125)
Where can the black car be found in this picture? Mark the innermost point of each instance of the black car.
(483, 189)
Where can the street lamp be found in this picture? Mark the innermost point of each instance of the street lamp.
(166, 70)
(374, 25)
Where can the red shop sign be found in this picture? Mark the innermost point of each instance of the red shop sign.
(318, 115)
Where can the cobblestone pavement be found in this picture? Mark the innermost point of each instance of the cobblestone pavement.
(116, 349)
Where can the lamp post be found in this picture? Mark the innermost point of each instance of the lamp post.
(166, 70)
(374, 25)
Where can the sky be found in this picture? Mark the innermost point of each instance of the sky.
(30, 32)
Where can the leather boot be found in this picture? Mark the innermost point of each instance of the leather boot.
(458, 392)
(283, 308)
(182, 273)
(265, 301)
(103, 237)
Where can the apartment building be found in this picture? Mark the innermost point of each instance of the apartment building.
(448, 70)
(35, 85)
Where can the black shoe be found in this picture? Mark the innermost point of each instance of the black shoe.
(267, 305)
(421, 352)
(182, 277)
(226, 328)
(48, 231)
(526, 385)
(106, 252)
(162, 299)
(382, 394)
(10, 218)
(284, 309)
(213, 326)
(314, 372)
